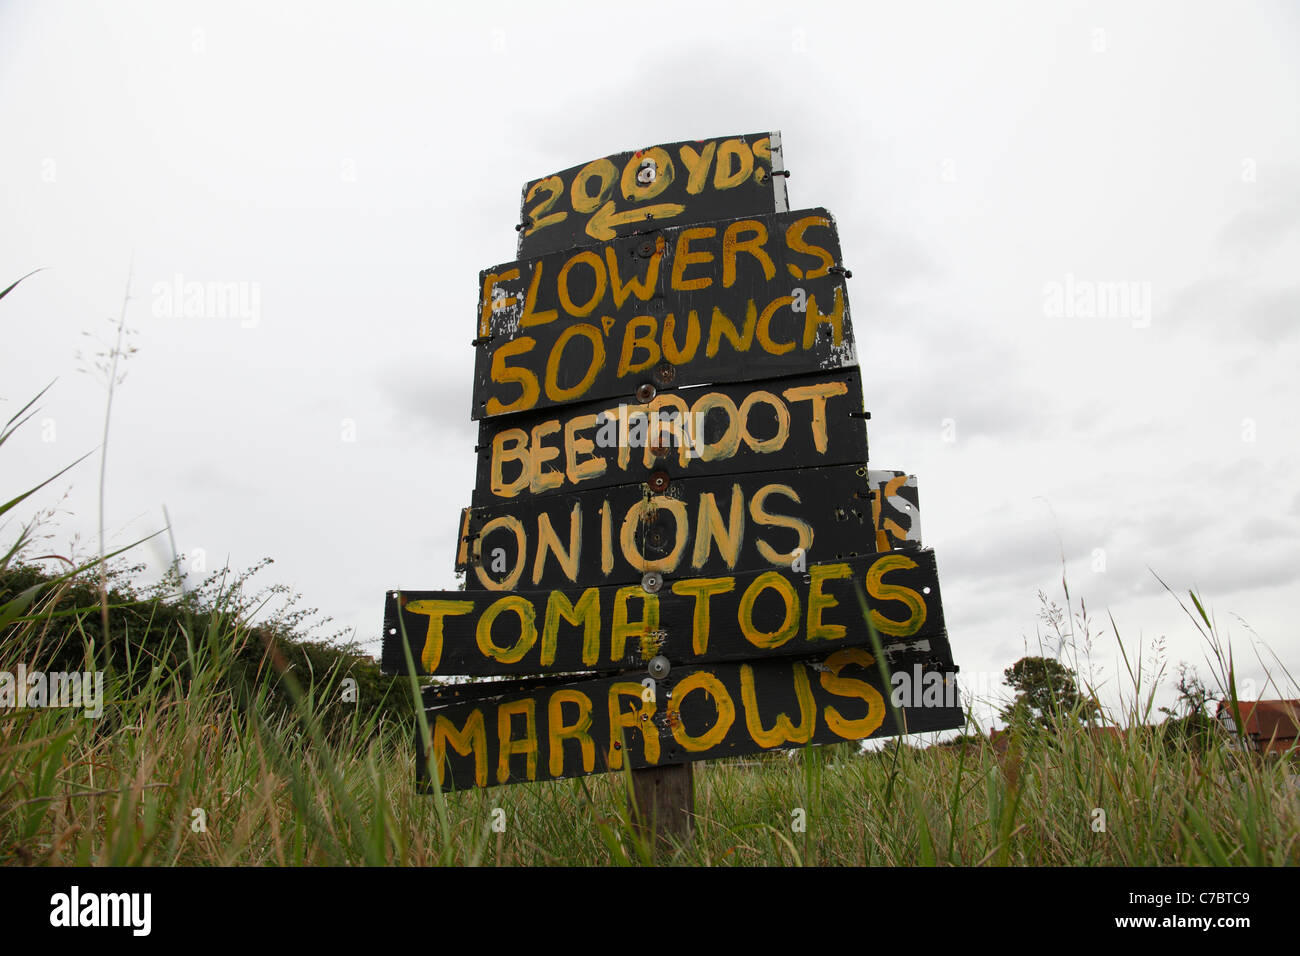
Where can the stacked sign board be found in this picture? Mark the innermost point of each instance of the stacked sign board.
(675, 549)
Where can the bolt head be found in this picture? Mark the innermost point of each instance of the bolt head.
(658, 667)
(645, 392)
(652, 581)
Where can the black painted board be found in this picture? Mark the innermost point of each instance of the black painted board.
(689, 620)
(445, 694)
(624, 193)
(700, 712)
(900, 655)
(797, 422)
(895, 509)
(726, 301)
(895, 515)
(691, 526)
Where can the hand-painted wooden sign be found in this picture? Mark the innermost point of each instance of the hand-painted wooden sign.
(895, 509)
(695, 526)
(728, 301)
(691, 713)
(797, 422)
(675, 549)
(617, 195)
(895, 518)
(688, 620)
(900, 656)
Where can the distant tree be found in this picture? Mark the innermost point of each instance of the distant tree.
(1046, 690)
(1192, 694)
(1187, 722)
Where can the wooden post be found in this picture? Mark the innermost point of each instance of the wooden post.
(665, 799)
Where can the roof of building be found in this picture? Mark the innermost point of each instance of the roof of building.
(1267, 719)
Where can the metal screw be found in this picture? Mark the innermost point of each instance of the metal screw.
(666, 374)
(652, 581)
(646, 249)
(645, 392)
(659, 481)
(658, 667)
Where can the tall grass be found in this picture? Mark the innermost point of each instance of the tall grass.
(192, 764)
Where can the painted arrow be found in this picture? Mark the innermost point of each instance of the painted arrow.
(606, 220)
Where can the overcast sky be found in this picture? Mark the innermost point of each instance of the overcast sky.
(356, 165)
